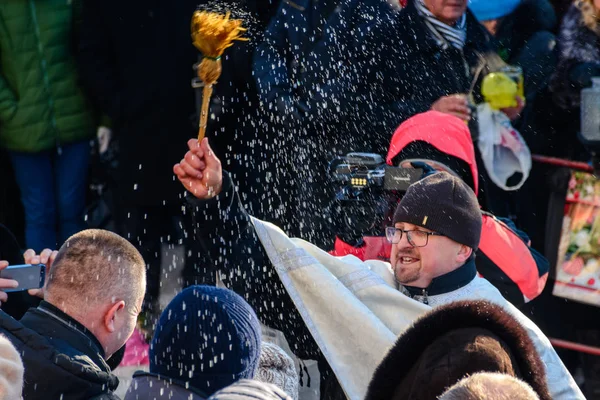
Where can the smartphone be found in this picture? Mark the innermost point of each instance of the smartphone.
(29, 276)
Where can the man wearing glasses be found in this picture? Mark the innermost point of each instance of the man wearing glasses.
(437, 228)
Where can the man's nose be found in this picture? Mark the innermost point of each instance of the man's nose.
(404, 243)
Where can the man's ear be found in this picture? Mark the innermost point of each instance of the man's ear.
(111, 314)
(464, 253)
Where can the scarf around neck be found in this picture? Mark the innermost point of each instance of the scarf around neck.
(445, 35)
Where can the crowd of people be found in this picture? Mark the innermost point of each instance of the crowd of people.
(437, 300)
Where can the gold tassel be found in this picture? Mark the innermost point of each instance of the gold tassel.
(212, 33)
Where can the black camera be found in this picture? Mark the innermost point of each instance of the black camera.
(367, 194)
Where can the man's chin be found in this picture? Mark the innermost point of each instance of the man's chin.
(406, 278)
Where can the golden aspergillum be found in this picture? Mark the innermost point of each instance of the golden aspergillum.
(212, 33)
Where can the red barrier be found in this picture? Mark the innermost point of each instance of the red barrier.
(584, 167)
(561, 162)
(582, 348)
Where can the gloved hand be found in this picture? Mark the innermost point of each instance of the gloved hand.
(581, 74)
(427, 169)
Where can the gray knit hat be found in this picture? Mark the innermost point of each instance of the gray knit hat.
(444, 204)
(277, 368)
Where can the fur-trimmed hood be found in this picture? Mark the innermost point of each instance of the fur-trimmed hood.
(451, 342)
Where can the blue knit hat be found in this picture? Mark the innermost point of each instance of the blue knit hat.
(492, 9)
(207, 337)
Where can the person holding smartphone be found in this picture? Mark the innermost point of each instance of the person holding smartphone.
(13, 301)
(5, 283)
(90, 305)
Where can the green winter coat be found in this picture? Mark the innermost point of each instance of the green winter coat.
(41, 103)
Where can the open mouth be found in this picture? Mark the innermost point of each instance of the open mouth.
(404, 260)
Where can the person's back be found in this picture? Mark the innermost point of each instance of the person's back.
(93, 294)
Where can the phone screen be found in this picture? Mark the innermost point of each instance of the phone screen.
(29, 276)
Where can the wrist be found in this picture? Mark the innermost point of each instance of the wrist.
(216, 189)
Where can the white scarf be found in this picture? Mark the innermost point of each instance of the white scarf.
(445, 35)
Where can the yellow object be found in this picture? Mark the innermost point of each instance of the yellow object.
(499, 90)
(516, 74)
(212, 33)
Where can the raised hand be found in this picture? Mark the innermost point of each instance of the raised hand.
(6, 283)
(515, 112)
(456, 104)
(200, 170)
(47, 258)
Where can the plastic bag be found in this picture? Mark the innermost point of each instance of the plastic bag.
(503, 150)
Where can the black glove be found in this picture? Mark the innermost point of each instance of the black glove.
(427, 169)
(581, 75)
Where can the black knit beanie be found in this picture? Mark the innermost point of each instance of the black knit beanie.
(444, 204)
(208, 337)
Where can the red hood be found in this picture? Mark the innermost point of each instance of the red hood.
(446, 133)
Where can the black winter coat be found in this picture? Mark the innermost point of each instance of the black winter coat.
(525, 39)
(136, 62)
(412, 71)
(312, 71)
(62, 360)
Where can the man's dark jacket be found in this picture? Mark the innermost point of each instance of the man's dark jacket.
(413, 71)
(62, 359)
(312, 69)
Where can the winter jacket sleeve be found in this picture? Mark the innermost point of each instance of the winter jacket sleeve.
(96, 59)
(344, 61)
(8, 100)
(393, 75)
(270, 65)
(227, 235)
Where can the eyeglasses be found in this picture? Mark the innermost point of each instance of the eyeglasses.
(414, 237)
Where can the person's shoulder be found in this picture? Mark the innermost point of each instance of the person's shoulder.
(19, 334)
